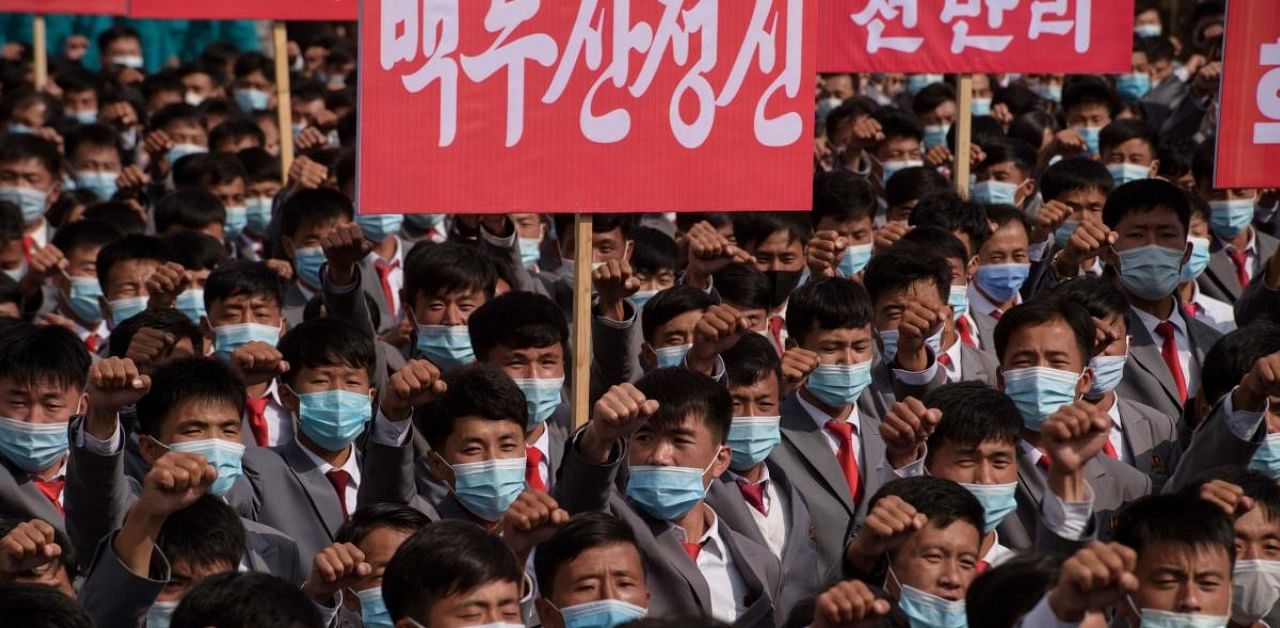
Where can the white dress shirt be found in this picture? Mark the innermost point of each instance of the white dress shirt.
(953, 366)
(1190, 368)
(350, 466)
(728, 591)
(279, 420)
(1116, 436)
(821, 418)
(395, 278)
(997, 554)
(1217, 314)
(773, 522)
(543, 444)
(1250, 253)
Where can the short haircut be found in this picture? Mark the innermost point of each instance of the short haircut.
(306, 209)
(1184, 520)
(1158, 49)
(167, 320)
(1145, 195)
(245, 600)
(1075, 174)
(12, 227)
(752, 228)
(586, 531)
(235, 130)
(203, 379)
(1003, 215)
(1082, 90)
(189, 208)
(936, 240)
(445, 558)
(438, 269)
(931, 97)
(600, 223)
(954, 215)
(942, 501)
(682, 393)
(1031, 125)
(118, 214)
(1256, 485)
(1098, 295)
(1041, 311)
(195, 250)
(367, 519)
(98, 136)
(1010, 149)
(205, 534)
(117, 32)
(259, 165)
(1004, 594)
(1232, 357)
(1121, 131)
(913, 184)
(850, 109)
(476, 390)
(897, 125)
(901, 267)
(23, 146)
(130, 248)
(85, 234)
(751, 360)
(1175, 154)
(841, 196)
(670, 303)
(653, 251)
(972, 413)
(518, 320)
(43, 355)
(828, 304)
(1204, 160)
(177, 113)
(251, 62)
(327, 341)
(206, 170)
(744, 286)
(243, 278)
(42, 606)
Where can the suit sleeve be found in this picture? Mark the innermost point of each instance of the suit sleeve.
(1223, 439)
(583, 486)
(96, 495)
(1256, 301)
(387, 467)
(614, 347)
(115, 596)
(348, 303)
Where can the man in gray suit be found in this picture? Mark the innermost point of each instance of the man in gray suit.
(1239, 252)
(1261, 299)
(671, 427)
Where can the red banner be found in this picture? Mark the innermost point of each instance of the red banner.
(50, 7)
(958, 36)
(1249, 120)
(336, 10)
(587, 105)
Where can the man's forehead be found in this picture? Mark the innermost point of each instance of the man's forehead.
(1172, 554)
(39, 386)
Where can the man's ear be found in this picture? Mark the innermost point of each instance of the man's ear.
(721, 464)
(1084, 383)
(1027, 189)
(436, 465)
(82, 404)
(971, 269)
(648, 359)
(1155, 167)
(150, 449)
(286, 243)
(105, 309)
(287, 398)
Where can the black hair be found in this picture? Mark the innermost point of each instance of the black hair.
(67, 558)
(475, 390)
(681, 393)
(1158, 49)
(1256, 485)
(653, 250)
(445, 558)
(936, 240)
(93, 136)
(43, 354)
(841, 196)
(972, 413)
(215, 72)
(119, 31)
(932, 97)
(752, 228)
(586, 531)
(752, 359)
(177, 112)
(254, 61)
(901, 267)
(119, 214)
(242, 277)
(1145, 195)
(1041, 311)
(954, 215)
(205, 379)
(235, 130)
(204, 534)
(259, 165)
(850, 109)
(1183, 520)
(1098, 295)
(915, 183)
(327, 341)
(1005, 149)
(23, 146)
(1085, 89)
(195, 250)
(12, 227)
(1121, 131)
(1003, 215)
(366, 519)
(245, 600)
(41, 606)
(830, 303)
(517, 320)
(744, 286)
(685, 221)
(942, 501)
(1031, 125)
(189, 208)
(67, 201)
(85, 234)
(895, 124)
(600, 223)
(160, 82)
(206, 170)
(1175, 154)
(1232, 357)
(439, 269)
(130, 248)
(1203, 161)
(668, 304)
(1072, 174)
(1003, 595)
(167, 320)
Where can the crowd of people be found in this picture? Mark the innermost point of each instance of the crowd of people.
(228, 398)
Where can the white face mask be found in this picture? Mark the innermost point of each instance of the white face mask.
(1255, 587)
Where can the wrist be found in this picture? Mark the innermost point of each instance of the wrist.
(1067, 484)
(1063, 611)
(342, 274)
(396, 413)
(594, 446)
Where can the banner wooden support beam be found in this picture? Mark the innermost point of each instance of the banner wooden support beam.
(284, 101)
(40, 52)
(964, 135)
(582, 319)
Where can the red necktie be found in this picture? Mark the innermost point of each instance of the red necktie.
(692, 549)
(339, 479)
(532, 469)
(996, 314)
(1190, 310)
(91, 343)
(384, 275)
(844, 455)
(1044, 462)
(775, 331)
(966, 336)
(51, 489)
(1110, 450)
(982, 567)
(28, 247)
(1241, 260)
(257, 407)
(1169, 351)
(944, 360)
(754, 495)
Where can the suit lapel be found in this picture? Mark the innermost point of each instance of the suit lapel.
(748, 560)
(673, 553)
(724, 498)
(807, 438)
(1146, 355)
(872, 444)
(29, 498)
(1137, 434)
(555, 450)
(321, 494)
(1222, 271)
(800, 528)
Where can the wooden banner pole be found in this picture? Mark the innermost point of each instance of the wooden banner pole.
(41, 51)
(284, 107)
(964, 135)
(582, 257)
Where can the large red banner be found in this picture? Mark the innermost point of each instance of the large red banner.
(1249, 119)
(586, 105)
(958, 36)
(338, 10)
(78, 7)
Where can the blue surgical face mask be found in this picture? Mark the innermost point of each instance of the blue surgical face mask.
(1051, 93)
(237, 218)
(917, 82)
(379, 227)
(1126, 172)
(1266, 459)
(958, 299)
(890, 168)
(191, 303)
(1152, 271)
(926, 610)
(83, 299)
(839, 385)
(18, 128)
(228, 338)
(102, 184)
(980, 107)
(642, 297)
(1090, 135)
(752, 438)
(1002, 281)
(307, 262)
(128, 61)
(425, 221)
(1063, 233)
(1152, 618)
(1228, 218)
(601, 614)
(445, 346)
(488, 488)
(530, 251)
(542, 396)
(257, 214)
(1133, 86)
(854, 260)
(88, 116)
(889, 343)
(935, 135)
(160, 614)
(333, 418)
(373, 610)
(671, 356)
(995, 192)
(666, 493)
(998, 500)
(182, 150)
(1199, 259)
(18, 273)
(1107, 370)
(32, 446)
(223, 455)
(1038, 392)
(251, 100)
(1147, 30)
(125, 309)
(29, 200)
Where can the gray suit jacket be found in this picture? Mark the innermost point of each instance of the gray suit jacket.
(1213, 445)
(1146, 376)
(1114, 484)
(351, 306)
(986, 332)
(1219, 279)
(295, 303)
(1151, 438)
(115, 596)
(20, 499)
(977, 365)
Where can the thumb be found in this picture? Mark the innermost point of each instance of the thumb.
(649, 407)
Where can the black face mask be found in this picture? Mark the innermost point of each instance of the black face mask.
(783, 283)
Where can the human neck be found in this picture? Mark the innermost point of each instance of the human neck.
(1104, 402)
(988, 541)
(752, 474)
(534, 434)
(1161, 308)
(1241, 240)
(387, 249)
(1187, 291)
(840, 414)
(51, 472)
(35, 227)
(1003, 306)
(695, 523)
(335, 458)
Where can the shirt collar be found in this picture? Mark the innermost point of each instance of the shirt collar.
(543, 444)
(710, 540)
(764, 477)
(1032, 454)
(953, 352)
(1150, 322)
(820, 417)
(1250, 249)
(980, 303)
(350, 466)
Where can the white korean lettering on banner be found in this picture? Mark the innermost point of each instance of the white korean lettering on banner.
(505, 16)
(962, 39)
(1081, 22)
(1269, 96)
(420, 27)
(783, 130)
(873, 18)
